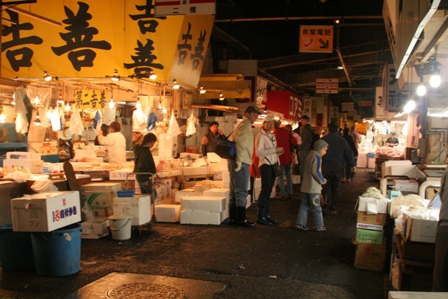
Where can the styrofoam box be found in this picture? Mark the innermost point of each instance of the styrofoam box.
(167, 213)
(421, 230)
(184, 192)
(138, 206)
(45, 212)
(100, 186)
(220, 192)
(196, 171)
(34, 166)
(414, 295)
(120, 175)
(381, 204)
(200, 217)
(23, 156)
(97, 226)
(406, 185)
(203, 203)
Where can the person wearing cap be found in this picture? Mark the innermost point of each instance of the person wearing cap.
(306, 133)
(210, 139)
(239, 168)
(143, 159)
(311, 187)
(266, 149)
(116, 143)
(338, 153)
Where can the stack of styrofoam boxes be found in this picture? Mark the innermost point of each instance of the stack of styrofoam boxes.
(23, 161)
(138, 206)
(99, 197)
(370, 245)
(45, 212)
(220, 192)
(202, 210)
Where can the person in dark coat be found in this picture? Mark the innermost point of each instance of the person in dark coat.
(210, 139)
(338, 153)
(350, 170)
(143, 160)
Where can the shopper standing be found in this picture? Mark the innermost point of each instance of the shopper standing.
(267, 151)
(239, 168)
(311, 187)
(440, 275)
(284, 140)
(350, 170)
(338, 153)
(306, 133)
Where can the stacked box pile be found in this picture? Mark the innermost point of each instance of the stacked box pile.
(202, 210)
(370, 245)
(23, 161)
(137, 206)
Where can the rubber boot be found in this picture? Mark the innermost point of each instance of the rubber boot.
(232, 214)
(241, 217)
(261, 217)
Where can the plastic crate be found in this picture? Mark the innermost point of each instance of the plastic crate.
(125, 193)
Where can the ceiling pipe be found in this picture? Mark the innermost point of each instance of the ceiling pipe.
(341, 59)
(299, 18)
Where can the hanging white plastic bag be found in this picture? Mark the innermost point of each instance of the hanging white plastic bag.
(41, 186)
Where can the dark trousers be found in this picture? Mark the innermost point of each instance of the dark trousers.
(333, 174)
(267, 182)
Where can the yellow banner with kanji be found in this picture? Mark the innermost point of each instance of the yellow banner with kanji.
(91, 38)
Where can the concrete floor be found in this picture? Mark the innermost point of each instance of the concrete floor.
(177, 261)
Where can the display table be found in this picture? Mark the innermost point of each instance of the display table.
(410, 257)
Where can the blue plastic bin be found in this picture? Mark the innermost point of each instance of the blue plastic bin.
(58, 253)
(125, 193)
(16, 250)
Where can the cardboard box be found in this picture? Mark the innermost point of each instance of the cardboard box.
(120, 175)
(196, 171)
(45, 212)
(369, 236)
(100, 202)
(421, 230)
(416, 295)
(138, 206)
(203, 203)
(378, 219)
(109, 186)
(167, 213)
(370, 256)
(369, 226)
(200, 217)
(370, 205)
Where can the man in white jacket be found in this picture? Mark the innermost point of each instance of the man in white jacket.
(115, 142)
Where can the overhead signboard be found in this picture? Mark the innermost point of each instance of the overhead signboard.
(327, 86)
(184, 7)
(285, 102)
(316, 39)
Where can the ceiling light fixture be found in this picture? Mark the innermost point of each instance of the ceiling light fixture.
(47, 77)
(115, 77)
(152, 76)
(175, 86)
(435, 80)
(37, 121)
(2, 115)
(202, 90)
(421, 88)
(221, 96)
(67, 107)
(409, 107)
